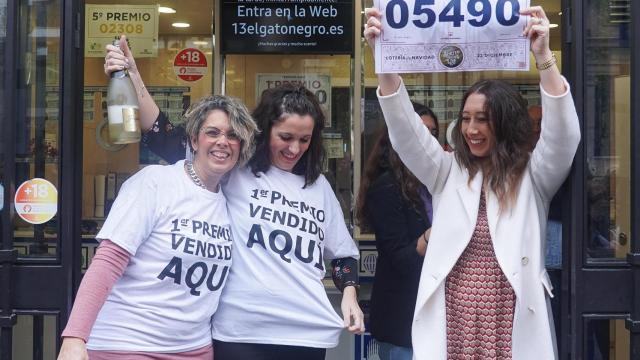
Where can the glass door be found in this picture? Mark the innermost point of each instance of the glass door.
(603, 263)
(37, 183)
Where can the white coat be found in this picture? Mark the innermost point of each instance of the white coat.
(517, 233)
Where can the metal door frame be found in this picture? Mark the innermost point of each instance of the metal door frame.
(39, 287)
(602, 291)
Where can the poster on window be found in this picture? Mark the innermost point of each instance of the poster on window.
(319, 84)
(104, 23)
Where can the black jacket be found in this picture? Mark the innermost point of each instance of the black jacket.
(397, 224)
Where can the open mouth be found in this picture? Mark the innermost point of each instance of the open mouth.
(289, 157)
(220, 155)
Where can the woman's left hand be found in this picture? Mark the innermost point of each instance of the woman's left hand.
(537, 30)
(353, 316)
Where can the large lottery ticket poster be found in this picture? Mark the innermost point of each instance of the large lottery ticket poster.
(451, 35)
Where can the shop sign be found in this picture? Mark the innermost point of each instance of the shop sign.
(285, 26)
(190, 64)
(103, 23)
(319, 84)
(36, 201)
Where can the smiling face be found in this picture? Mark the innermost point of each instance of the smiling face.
(290, 139)
(216, 147)
(475, 126)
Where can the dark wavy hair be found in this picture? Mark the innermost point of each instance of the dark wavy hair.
(425, 110)
(509, 121)
(383, 158)
(275, 105)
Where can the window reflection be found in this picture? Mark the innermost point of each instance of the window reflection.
(37, 123)
(606, 339)
(607, 119)
(34, 336)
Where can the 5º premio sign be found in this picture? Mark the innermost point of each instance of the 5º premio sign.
(139, 23)
(36, 201)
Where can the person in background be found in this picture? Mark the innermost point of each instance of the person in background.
(428, 117)
(165, 250)
(485, 291)
(286, 222)
(397, 208)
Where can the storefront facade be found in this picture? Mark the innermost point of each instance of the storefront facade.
(53, 116)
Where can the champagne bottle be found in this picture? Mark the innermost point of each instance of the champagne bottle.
(122, 108)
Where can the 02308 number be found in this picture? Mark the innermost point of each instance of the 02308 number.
(121, 28)
(480, 12)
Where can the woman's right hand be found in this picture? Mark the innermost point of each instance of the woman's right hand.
(73, 349)
(372, 27)
(389, 83)
(119, 59)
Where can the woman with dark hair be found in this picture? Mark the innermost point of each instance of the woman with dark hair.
(484, 291)
(268, 113)
(286, 221)
(397, 208)
(428, 117)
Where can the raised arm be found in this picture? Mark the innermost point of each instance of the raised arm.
(418, 150)
(389, 83)
(560, 134)
(166, 140)
(119, 59)
(537, 31)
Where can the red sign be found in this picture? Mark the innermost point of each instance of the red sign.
(190, 64)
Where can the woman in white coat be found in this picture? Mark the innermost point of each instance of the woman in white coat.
(483, 283)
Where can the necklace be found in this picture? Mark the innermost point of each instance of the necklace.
(192, 174)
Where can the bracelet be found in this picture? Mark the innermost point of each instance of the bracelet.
(547, 64)
(352, 283)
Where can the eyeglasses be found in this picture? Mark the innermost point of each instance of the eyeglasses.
(215, 133)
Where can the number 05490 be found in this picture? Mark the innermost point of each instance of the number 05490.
(423, 14)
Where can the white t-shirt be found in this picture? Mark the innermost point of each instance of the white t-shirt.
(180, 240)
(282, 233)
